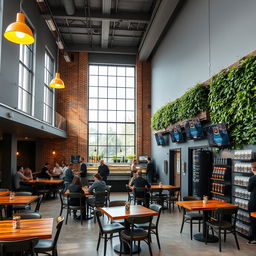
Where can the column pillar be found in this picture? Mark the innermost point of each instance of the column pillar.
(9, 159)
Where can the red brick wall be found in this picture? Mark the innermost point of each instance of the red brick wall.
(72, 103)
(143, 142)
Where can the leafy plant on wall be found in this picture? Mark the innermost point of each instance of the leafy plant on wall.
(232, 100)
(188, 105)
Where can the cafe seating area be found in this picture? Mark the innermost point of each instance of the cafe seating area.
(127, 127)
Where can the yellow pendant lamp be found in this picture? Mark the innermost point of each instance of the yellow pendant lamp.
(19, 32)
(57, 83)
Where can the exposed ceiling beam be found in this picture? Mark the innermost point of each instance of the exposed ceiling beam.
(114, 50)
(99, 16)
(106, 9)
(164, 12)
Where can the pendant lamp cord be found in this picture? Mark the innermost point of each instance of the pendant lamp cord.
(57, 62)
(21, 3)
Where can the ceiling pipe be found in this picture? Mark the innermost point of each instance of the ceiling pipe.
(69, 7)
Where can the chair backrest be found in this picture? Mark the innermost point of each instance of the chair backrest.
(21, 247)
(140, 220)
(60, 221)
(38, 203)
(100, 197)
(75, 195)
(98, 215)
(191, 198)
(23, 193)
(140, 192)
(61, 196)
(156, 190)
(117, 203)
(4, 189)
(227, 213)
(28, 215)
(157, 208)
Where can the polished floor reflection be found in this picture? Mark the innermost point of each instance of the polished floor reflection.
(77, 240)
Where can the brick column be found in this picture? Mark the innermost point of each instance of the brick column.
(143, 108)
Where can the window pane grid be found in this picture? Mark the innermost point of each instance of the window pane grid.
(25, 82)
(49, 93)
(111, 111)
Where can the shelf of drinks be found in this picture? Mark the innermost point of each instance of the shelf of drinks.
(220, 194)
(217, 179)
(221, 165)
(249, 173)
(241, 198)
(245, 160)
(242, 186)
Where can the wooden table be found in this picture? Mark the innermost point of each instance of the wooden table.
(253, 214)
(41, 228)
(198, 205)
(3, 193)
(54, 181)
(163, 187)
(17, 200)
(117, 213)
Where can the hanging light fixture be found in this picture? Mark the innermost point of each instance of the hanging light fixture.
(56, 82)
(19, 32)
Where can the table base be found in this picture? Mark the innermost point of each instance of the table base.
(210, 239)
(135, 249)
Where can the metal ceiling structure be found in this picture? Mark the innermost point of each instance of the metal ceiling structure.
(108, 26)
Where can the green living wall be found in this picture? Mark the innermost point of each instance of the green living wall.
(230, 97)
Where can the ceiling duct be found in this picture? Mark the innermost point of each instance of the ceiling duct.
(69, 7)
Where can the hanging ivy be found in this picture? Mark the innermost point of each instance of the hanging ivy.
(188, 105)
(232, 100)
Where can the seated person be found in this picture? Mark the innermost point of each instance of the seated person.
(44, 174)
(140, 182)
(98, 185)
(20, 181)
(28, 173)
(134, 176)
(57, 171)
(76, 187)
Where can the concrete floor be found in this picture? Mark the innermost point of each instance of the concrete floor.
(77, 240)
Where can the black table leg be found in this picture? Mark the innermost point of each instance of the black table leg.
(201, 237)
(9, 211)
(125, 248)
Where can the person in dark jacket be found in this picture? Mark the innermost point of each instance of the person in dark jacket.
(150, 170)
(140, 182)
(103, 170)
(69, 175)
(44, 174)
(252, 203)
(76, 187)
(83, 172)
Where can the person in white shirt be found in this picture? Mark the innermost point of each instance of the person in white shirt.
(57, 170)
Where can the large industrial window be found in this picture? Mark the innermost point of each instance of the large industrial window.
(48, 92)
(111, 111)
(25, 84)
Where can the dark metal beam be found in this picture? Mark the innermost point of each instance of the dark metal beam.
(98, 16)
(98, 49)
(87, 33)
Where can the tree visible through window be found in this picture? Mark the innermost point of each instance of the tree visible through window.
(111, 111)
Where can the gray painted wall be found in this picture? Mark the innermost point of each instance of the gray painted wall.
(207, 36)
(10, 55)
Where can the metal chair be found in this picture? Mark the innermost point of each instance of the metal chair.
(38, 205)
(17, 208)
(105, 230)
(191, 217)
(140, 195)
(45, 246)
(136, 234)
(28, 215)
(154, 226)
(21, 247)
(130, 194)
(172, 198)
(225, 223)
(75, 196)
(63, 202)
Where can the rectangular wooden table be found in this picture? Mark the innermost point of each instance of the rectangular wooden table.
(253, 214)
(17, 200)
(54, 181)
(198, 205)
(41, 228)
(163, 187)
(117, 213)
(3, 193)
